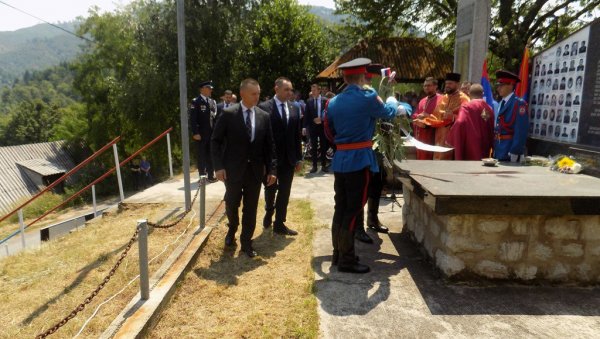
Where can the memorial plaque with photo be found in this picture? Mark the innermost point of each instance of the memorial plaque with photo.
(589, 126)
(559, 79)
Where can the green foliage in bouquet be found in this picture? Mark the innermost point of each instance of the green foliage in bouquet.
(387, 139)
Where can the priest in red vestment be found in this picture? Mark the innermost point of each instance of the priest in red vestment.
(472, 134)
(422, 131)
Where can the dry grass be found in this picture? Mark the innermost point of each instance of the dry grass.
(228, 295)
(40, 287)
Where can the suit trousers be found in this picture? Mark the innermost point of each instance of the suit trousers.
(277, 196)
(246, 189)
(318, 141)
(350, 198)
(205, 166)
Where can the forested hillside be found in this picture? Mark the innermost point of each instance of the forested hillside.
(35, 48)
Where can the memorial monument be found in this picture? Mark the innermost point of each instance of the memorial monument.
(472, 36)
(564, 99)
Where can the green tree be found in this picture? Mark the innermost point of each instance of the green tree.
(285, 40)
(513, 22)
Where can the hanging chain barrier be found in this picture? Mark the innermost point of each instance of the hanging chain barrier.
(107, 278)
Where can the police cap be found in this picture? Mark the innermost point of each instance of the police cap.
(506, 77)
(207, 83)
(356, 66)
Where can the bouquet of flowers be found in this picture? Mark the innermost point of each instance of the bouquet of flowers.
(565, 164)
(388, 136)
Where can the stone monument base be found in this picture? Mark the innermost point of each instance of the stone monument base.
(460, 213)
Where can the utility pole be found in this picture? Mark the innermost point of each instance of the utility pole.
(185, 141)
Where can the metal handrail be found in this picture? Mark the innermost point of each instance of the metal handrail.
(102, 177)
(64, 176)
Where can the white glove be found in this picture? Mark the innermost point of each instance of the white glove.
(401, 111)
(391, 100)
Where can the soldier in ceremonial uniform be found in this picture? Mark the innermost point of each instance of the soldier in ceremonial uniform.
(512, 120)
(202, 115)
(350, 120)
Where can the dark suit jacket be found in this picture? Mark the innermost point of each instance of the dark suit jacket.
(232, 150)
(200, 118)
(311, 112)
(288, 142)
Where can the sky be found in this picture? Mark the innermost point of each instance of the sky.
(65, 10)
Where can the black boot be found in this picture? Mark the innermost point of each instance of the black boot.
(361, 235)
(372, 219)
(267, 220)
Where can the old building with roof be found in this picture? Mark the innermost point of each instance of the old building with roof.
(413, 59)
(27, 169)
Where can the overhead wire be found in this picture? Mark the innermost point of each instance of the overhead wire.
(45, 21)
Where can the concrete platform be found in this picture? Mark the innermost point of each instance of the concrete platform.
(404, 297)
(468, 187)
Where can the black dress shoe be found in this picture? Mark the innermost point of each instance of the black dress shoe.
(362, 236)
(325, 168)
(314, 169)
(230, 240)
(356, 268)
(251, 253)
(284, 230)
(336, 258)
(266, 222)
(379, 228)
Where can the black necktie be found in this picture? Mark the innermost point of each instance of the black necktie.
(502, 105)
(283, 115)
(249, 123)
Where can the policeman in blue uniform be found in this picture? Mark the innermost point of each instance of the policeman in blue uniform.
(350, 120)
(512, 120)
(202, 115)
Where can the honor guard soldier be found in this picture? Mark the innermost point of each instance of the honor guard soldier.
(350, 120)
(512, 120)
(202, 115)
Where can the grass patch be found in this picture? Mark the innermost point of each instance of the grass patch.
(230, 295)
(40, 287)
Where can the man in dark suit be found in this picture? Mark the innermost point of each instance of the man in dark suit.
(285, 122)
(243, 156)
(313, 122)
(202, 115)
(227, 96)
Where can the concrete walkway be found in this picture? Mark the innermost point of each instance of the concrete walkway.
(404, 298)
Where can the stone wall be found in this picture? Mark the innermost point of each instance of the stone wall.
(558, 249)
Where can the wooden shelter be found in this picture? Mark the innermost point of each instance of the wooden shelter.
(413, 59)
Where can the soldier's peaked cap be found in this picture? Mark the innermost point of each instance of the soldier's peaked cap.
(356, 66)
(207, 83)
(506, 77)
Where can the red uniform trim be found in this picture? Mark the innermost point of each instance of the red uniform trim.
(364, 199)
(358, 70)
(354, 145)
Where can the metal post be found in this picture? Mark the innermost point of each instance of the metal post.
(143, 251)
(170, 157)
(118, 167)
(22, 225)
(202, 200)
(94, 200)
(185, 138)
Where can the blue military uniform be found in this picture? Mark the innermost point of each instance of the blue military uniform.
(202, 116)
(350, 120)
(512, 123)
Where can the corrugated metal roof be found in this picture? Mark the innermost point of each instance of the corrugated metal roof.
(15, 185)
(42, 167)
(413, 59)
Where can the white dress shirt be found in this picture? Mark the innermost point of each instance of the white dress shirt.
(252, 119)
(287, 110)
